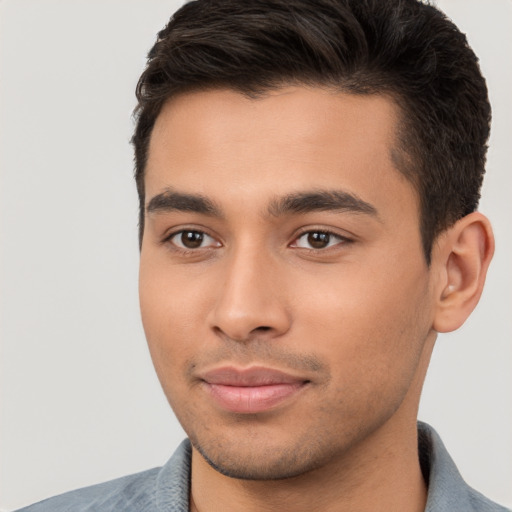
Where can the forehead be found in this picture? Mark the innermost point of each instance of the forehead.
(290, 139)
(293, 114)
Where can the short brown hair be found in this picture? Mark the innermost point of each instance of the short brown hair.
(403, 48)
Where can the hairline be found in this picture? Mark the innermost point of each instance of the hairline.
(406, 161)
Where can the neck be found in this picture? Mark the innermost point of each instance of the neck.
(379, 474)
(381, 477)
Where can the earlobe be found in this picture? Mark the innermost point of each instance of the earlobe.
(462, 255)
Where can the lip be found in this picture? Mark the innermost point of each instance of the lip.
(251, 390)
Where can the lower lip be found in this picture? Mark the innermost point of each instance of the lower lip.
(252, 399)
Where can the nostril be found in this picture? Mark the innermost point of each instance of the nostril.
(263, 328)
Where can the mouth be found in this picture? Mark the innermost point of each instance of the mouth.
(252, 390)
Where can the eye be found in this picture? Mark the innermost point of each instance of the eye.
(318, 240)
(191, 239)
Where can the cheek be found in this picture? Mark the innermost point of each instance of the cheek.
(171, 306)
(369, 327)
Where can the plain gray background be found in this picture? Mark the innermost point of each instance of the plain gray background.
(79, 401)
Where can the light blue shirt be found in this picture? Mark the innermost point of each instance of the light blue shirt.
(166, 489)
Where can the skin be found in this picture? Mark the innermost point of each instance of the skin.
(355, 320)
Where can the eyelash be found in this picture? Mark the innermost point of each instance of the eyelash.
(185, 250)
(341, 240)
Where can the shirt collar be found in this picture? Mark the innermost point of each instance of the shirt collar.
(447, 491)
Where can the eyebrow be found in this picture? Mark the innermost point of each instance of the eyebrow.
(299, 202)
(321, 200)
(170, 200)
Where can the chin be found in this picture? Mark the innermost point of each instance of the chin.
(247, 461)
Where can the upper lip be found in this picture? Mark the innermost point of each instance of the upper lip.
(246, 377)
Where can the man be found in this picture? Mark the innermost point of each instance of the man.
(308, 175)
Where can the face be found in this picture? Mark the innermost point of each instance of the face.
(284, 292)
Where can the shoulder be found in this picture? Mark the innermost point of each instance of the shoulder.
(116, 494)
(156, 489)
(447, 490)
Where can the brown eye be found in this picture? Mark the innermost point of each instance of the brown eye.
(319, 240)
(192, 239)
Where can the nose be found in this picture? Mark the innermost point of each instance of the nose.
(251, 302)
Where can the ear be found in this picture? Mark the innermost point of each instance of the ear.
(461, 256)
